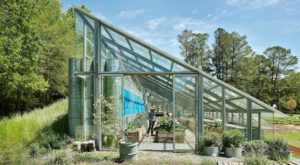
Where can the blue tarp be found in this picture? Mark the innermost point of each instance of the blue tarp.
(133, 104)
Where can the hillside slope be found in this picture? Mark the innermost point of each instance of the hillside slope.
(18, 132)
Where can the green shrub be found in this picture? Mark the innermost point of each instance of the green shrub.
(278, 150)
(50, 140)
(208, 162)
(232, 138)
(255, 147)
(256, 160)
(46, 141)
(210, 139)
(58, 158)
(164, 123)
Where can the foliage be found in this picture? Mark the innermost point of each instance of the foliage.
(269, 77)
(291, 104)
(20, 47)
(165, 124)
(256, 160)
(210, 139)
(255, 147)
(208, 162)
(138, 122)
(278, 150)
(194, 49)
(228, 49)
(282, 64)
(58, 158)
(35, 44)
(285, 120)
(23, 132)
(232, 138)
(213, 124)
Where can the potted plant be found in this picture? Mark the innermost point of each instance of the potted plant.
(210, 142)
(278, 150)
(232, 141)
(164, 131)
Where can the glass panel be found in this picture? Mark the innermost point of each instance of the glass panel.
(90, 21)
(236, 111)
(129, 55)
(267, 127)
(212, 94)
(104, 33)
(142, 51)
(162, 61)
(261, 122)
(111, 111)
(85, 131)
(146, 64)
(178, 68)
(185, 114)
(79, 40)
(89, 49)
(121, 40)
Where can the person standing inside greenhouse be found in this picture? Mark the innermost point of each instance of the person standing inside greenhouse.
(151, 117)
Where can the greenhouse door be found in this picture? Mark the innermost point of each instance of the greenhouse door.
(111, 110)
(184, 113)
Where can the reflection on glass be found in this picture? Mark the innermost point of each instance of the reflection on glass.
(212, 95)
(139, 49)
(79, 40)
(185, 113)
(160, 60)
(121, 40)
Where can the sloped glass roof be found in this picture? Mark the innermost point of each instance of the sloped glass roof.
(139, 58)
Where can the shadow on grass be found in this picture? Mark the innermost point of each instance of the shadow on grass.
(50, 138)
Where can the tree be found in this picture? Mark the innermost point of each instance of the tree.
(291, 104)
(228, 50)
(290, 88)
(20, 46)
(282, 64)
(255, 78)
(36, 40)
(57, 32)
(194, 49)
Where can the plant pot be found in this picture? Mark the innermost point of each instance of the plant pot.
(211, 151)
(233, 152)
(128, 150)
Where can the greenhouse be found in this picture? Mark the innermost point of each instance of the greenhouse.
(115, 78)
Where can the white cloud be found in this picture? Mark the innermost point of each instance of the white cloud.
(130, 14)
(194, 24)
(253, 4)
(155, 22)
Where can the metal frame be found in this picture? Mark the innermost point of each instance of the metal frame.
(161, 82)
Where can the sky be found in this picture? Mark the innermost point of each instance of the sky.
(266, 23)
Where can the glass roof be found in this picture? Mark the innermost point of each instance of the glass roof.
(137, 56)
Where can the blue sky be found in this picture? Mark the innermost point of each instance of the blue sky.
(266, 23)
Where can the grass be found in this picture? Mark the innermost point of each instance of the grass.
(17, 132)
(292, 137)
(295, 119)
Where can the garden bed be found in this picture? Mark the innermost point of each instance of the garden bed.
(167, 137)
